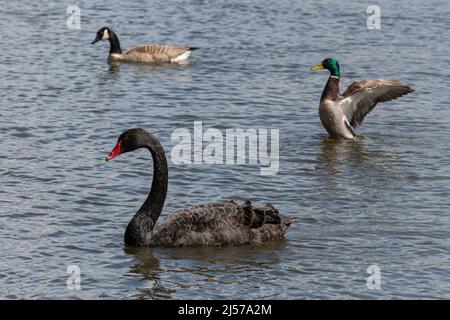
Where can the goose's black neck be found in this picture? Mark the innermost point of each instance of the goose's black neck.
(331, 90)
(114, 43)
(143, 222)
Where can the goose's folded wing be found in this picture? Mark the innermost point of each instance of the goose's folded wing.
(362, 96)
(159, 52)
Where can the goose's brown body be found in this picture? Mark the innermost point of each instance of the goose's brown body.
(147, 53)
(154, 53)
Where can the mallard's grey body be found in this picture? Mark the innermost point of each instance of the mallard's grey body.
(334, 120)
(331, 114)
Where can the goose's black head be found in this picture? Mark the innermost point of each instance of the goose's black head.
(130, 140)
(102, 34)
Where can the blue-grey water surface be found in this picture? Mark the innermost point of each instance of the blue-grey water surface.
(383, 201)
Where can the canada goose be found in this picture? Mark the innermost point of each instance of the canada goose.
(147, 53)
(210, 224)
(341, 113)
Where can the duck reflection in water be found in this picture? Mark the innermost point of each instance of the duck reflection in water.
(337, 156)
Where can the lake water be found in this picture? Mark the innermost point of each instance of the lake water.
(381, 202)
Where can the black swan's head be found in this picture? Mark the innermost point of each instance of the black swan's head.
(130, 140)
(102, 34)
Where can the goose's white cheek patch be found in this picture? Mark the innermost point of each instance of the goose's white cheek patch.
(105, 35)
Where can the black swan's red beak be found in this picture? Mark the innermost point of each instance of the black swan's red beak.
(115, 152)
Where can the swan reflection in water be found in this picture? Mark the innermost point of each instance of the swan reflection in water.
(195, 267)
(149, 268)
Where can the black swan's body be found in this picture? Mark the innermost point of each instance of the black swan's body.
(211, 224)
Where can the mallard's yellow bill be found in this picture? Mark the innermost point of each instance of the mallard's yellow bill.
(318, 67)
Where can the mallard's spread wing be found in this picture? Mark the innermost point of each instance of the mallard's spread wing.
(362, 96)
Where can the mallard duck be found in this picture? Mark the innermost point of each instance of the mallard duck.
(340, 114)
(147, 53)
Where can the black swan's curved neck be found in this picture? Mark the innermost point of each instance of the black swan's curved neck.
(114, 43)
(140, 227)
(331, 90)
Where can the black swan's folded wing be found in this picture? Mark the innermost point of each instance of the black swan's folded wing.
(220, 223)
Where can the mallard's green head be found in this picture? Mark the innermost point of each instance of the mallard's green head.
(330, 64)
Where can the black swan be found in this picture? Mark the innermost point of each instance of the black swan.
(211, 224)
